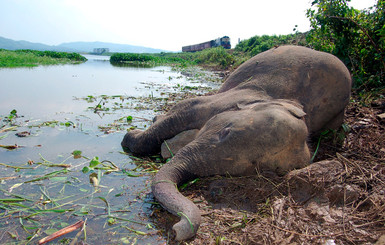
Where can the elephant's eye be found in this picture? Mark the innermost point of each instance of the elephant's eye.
(223, 133)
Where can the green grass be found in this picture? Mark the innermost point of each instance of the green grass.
(161, 58)
(31, 58)
(216, 57)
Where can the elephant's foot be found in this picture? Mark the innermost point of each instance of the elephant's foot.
(167, 194)
(188, 225)
(164, 188)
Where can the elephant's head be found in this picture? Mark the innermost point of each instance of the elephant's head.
(266, 136)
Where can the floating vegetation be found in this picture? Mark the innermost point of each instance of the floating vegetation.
(15, 167)
(110, 128)
(53, 123)
(23, 134)
(77, 154)
(49, 211)
(95, 164)
(47, 176)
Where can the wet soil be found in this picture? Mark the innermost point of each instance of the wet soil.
(338, 199)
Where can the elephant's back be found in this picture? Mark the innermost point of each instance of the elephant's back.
(319, 81)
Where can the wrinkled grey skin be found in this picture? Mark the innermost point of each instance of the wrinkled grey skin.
(259, 120)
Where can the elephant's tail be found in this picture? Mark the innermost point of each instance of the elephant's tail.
(164, 188)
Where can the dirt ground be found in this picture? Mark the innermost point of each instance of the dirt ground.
(339, 199)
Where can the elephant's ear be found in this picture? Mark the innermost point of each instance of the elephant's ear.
(295, 110)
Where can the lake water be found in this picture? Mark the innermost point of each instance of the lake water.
(84, 108)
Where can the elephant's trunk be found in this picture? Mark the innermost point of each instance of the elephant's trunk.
(164, 188)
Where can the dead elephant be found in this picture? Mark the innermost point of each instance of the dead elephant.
(259, 119)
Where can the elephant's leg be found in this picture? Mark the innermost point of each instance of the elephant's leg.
(171, 146)
(186, 115)
(235, 143)
(164, 188)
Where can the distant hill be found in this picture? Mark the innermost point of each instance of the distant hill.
(88, 47)
(10, 44)
(113, 47)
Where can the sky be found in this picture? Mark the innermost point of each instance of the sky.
(161, 24)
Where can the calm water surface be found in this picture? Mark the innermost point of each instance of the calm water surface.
(52, 106)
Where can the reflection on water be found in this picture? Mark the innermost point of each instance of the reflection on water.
(52, 104)
(133, 65)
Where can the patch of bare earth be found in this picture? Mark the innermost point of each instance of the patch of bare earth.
(339, 199)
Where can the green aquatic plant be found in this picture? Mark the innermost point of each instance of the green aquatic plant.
(30, 58)
(12, 115)
(95, 164)
(162, 58)
(77, 154)
(215, 56)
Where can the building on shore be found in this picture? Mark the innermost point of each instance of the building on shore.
(101, 50)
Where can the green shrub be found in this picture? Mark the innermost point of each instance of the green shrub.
(357, 37)
(215, 56)
(259, 44)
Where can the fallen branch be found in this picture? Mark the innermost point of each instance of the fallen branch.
(62, 232)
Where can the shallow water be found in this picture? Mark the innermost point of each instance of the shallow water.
(56, 106)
